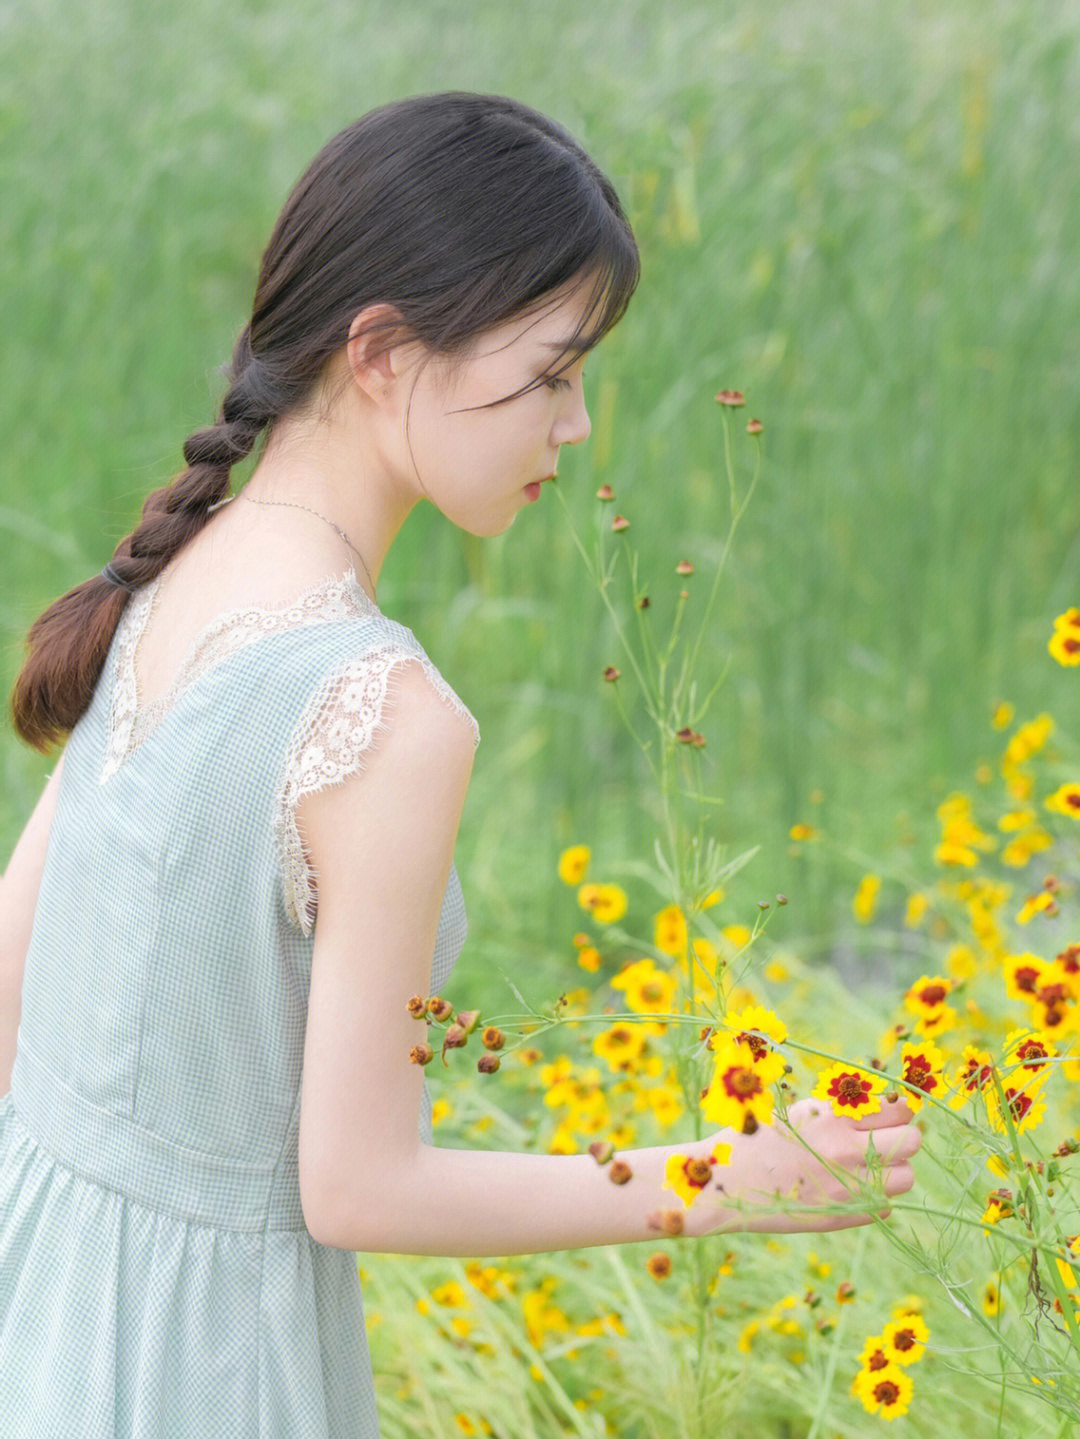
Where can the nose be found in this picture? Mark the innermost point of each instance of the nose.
(574, 425)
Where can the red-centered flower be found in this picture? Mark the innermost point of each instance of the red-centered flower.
(923, 1064)
(850, 1090)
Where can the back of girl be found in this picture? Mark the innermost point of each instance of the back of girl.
(242, 866)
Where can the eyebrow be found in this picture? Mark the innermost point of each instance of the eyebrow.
(580, 345)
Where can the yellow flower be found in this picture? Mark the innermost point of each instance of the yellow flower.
(921, 1067)
(1065, 800)
(865, 901)
(1024, 975)
(670, 934)
(972, 1075)
(1065, 644)
(738, 1022)
(917, 906)
(589, 958)
(607, 902)
(451, 1294)
(1021, 1103)
(850, 1089)
(688, 1176)
(738, 1093)
(737, 935)
(1035, 904)
(801, 832)
(648, 990)
(928, 995)
(1029, 739)
(573, 863)
(666, 1105)
(961, 962)
(904, 1340)
(621, 1046)
(991, 1300)
(541, 1315)
(439, 1110)
(884, 1391)
(1003, 715)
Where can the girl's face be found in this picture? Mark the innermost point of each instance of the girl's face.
(474, 463)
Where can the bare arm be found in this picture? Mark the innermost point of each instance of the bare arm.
(381, 845)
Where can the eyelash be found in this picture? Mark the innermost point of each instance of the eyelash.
(558, 383)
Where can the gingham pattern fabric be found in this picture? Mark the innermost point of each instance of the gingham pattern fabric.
(156, 1277)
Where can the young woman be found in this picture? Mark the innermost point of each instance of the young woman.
(241, 868)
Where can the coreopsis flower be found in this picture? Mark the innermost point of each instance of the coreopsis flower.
(1065, 800)
(801, 833)
(1041, 903)
(922, 1065)
(865, 901)
(884, 1391)
(999, 1205)
(927, 997)
(1003, 715)
(1065, 643)
(737, 1024)
(666, 1104)
(1070, 1257)
(670, 935)
(648, 989)
(1030, 1052)
(738, 1092)
(606, 902)
(1023, 974)
(1021, 1104)
(904, 1340)
(973, 1074)
(573, 863)
(915, 910)
(850, 1090)
(621, 1046)
(541, 1315)
(991, 1303)
(688, 1176)
(1029, 739)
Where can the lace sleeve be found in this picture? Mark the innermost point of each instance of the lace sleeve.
(327, 746)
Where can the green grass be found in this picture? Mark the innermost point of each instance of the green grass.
(861, 214)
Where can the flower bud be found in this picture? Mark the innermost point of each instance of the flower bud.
(749, 1124)
(643, 603)
(620, 1172)
(605, 492)
(684, 594)
(667, 1221)
(439, 1008)
(659, 1265)
(469, 1019)
(611, 673)
(417, 1006)
(421, 1054)
(684, 567)
(488, 1063)
(845, 1292)
(492, 1038)
(602, 1150)
(620, 522)
(781, 899)
(754, 427)
(733, 398)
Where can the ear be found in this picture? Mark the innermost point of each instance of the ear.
(378, 350)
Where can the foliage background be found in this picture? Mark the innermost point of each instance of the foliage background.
(863, 214)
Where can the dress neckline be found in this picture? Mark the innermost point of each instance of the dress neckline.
(132, 720)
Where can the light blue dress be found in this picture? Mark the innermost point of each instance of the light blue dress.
(157, 1280)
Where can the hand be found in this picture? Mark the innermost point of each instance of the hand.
(771, 1166)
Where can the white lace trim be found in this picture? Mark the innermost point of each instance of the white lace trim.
(328, 745)
(336, 598)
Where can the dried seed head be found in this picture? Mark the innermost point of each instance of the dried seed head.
(611, 673)
(605, 492)
(658, 1265)
(469, 1019)
(749, 1124)
(734, 398)
(492, 1038)
(620, 522)
(667, 1221)
(439, 1008)
(488, 1063)
(602, 1150)
(684, 567)
(417, 1006)
(754, 427)
(421, 1054)
(781, 899)
(643, 603)
(620, 1172)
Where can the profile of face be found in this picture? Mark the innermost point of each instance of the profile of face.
(473, 462)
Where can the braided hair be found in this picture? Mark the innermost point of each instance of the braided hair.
(458, 212)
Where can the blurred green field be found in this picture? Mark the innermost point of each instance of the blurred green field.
(864, 215)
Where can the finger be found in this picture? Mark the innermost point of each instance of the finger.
(889, 1115)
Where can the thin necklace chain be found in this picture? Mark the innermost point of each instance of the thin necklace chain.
(295, 504)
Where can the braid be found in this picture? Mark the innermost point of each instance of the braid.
(47, 703)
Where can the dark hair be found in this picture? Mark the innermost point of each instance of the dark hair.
(459, 211)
